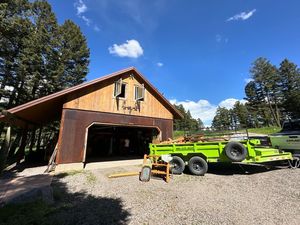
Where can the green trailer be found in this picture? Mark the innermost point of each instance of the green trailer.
(197, 155)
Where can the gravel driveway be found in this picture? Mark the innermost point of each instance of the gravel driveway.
(225, 195)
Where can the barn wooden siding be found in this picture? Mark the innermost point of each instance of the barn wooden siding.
(100, 98)
(74, 123)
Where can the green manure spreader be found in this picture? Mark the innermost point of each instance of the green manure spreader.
(197, 155)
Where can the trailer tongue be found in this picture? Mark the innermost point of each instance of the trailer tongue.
(197, 155)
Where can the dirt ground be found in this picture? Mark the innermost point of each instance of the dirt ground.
(227, 194)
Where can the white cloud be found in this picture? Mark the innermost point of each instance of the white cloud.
(4, 100)
(229, 103)
(96, 28)
(247, 80)
(203, 109)
(218, 38)
(159, 64)
(86, 20)
(8, 88)
(80, 7)
(221, 39)
(131, 49)
(242, 15)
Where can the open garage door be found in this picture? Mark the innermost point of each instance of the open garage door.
(113, 142)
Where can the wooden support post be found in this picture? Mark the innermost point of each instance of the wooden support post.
(32, 140)
(168, 173)
(21, 151)
(4, 150)
(38, 145)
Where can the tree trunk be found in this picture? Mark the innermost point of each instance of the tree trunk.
(32, 140)
(4, 149)
(21, 151)
(14, 145)
(38, 145)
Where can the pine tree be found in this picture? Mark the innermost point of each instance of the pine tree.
(258, 110)
(266, 81)
(241, 114)
(200, 124)
(290, 88)
(188, 123)
(222, 120)
(74, 55)
(37, 56)
(15, 28)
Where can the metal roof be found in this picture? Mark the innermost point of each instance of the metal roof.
(49, 108)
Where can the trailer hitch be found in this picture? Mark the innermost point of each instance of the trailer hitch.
(295, 162)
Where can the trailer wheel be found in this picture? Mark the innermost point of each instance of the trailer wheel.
(198, 166)
(177, 164)
(236, 151)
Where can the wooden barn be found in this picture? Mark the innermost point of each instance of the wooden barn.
(117, 115)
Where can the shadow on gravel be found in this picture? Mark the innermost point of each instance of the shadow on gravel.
(68, 208)
(240, 169)
(13, 170)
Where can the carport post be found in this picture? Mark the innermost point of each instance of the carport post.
(21, 150)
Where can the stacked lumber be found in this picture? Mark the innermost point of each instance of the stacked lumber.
(195, 138)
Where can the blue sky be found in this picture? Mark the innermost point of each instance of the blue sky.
(197, 53)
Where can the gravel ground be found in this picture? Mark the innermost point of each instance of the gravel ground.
(225, 195)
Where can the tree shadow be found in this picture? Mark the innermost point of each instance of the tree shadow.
(68, 208)
(14, 169)
(238, 169)
(84, 208)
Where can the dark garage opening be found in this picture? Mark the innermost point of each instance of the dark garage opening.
(107, 142)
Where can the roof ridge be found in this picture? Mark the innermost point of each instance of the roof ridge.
(92, 82)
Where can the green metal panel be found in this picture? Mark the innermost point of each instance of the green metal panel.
(214, 151)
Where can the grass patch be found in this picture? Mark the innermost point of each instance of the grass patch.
(205, 133)
(264, 130)
(28, 213)
(178, 133)
(73, 172)
(208, 133)
(69, 173)
(90, 178)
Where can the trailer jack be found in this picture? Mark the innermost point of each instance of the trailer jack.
(153, 165)
(295, 162)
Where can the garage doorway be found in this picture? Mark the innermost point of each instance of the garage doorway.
(106, 142)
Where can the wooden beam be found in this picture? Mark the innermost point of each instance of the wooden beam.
(11, 116)
(21, 151)
(126, 174)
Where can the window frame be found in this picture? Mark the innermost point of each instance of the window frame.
(117, 93)
(136, 88)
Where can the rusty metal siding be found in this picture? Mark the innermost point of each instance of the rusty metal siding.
(75, 123)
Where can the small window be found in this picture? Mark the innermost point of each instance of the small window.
(139, 93)
(120, 89)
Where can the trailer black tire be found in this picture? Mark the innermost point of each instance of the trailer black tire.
(177, 164)
(198, 166)
(236, 151)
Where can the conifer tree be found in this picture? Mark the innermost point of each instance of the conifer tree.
(222, 120)
(263, 93)
(74, 55)
(290, 88)
(37, 56)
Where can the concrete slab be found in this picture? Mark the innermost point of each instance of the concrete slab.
(97, 165)
(112, 164)
(60, 168)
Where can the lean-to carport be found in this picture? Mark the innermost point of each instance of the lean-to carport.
(75, 118)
